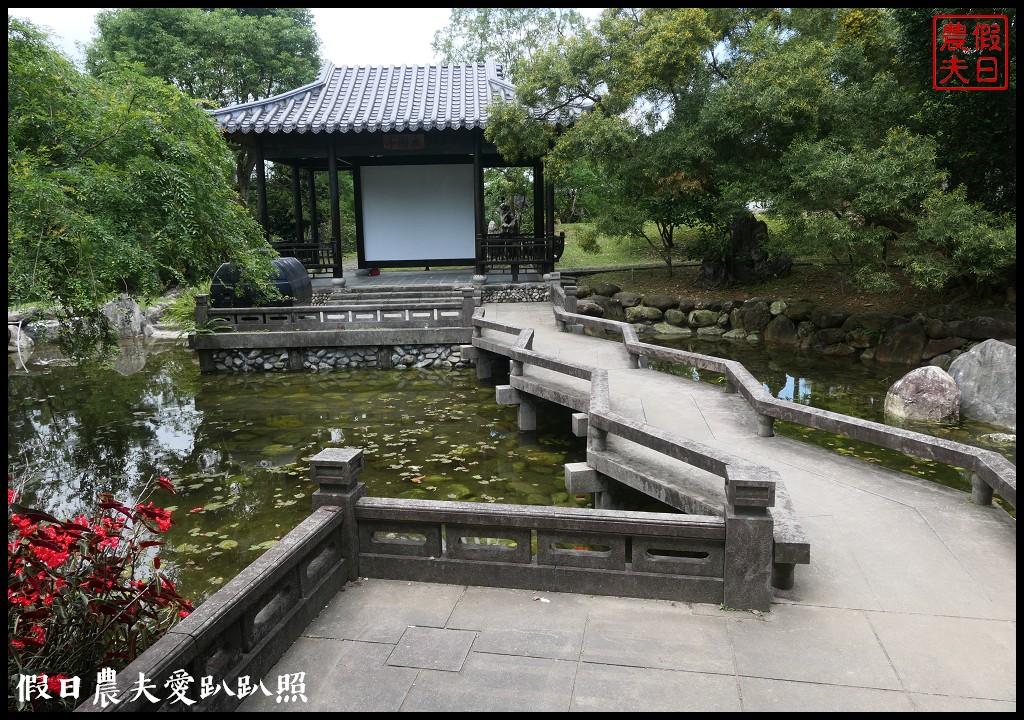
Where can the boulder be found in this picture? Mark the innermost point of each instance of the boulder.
(781, 331)
(662, 302)
(642, 313)
(987, 377)
(600, 287)
(941, 347)
(590, 309)
(628, 299)
(675, 317)
(925, 394)
(799, 311)
(984, 328)
(877, 323)
(828, 317)
(903, 344)
(756, 317)
(612, 308)
(703, 318)
(18, 341)
(126, 318)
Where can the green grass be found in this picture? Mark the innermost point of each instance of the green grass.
(614, 250)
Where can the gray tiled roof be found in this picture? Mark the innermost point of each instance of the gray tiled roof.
(376, 98)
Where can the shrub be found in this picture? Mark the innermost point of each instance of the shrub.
(587, 239)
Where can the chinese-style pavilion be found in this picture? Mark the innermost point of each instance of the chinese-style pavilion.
(413, 139)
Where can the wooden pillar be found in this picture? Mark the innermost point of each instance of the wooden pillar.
(314, 216)
(538, 199)
(261, 187)
(478, 199)
(332, 170)
(549, 208)
(300, 236)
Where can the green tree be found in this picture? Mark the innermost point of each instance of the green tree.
(510, 36)
(216, 55)
(975, 132)
(697, 113)
(637, 71)
(118, 184)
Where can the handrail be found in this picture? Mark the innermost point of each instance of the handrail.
(991, 472)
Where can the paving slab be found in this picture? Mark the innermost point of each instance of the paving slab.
(382, 611)
(495, 683)
(432, 649)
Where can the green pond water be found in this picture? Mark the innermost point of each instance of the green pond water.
(238, 446)
(843, 385)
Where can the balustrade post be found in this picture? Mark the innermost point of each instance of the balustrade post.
(981, 492)
(337, 470)
(202, 310)
(749, 537)
(469, 303)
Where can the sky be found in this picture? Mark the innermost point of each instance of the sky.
(351, 36)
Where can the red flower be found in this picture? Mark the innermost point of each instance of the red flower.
(53, 682)
(166, 484)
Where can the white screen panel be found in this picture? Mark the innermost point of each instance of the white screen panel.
(417, 212)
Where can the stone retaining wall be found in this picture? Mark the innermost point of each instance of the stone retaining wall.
(326, 359)
(933, 337)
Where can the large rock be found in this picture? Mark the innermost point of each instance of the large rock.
(903, 344)
(612, 308)
(749, 261)
(987, 378)
(590, 309)
(18, 341)
(983, 328)
(756, 317)
(628, 299)
(828, 317)
(799, 311)
(600, 287)
(781, 331)
(662, 302)
(642, 313)
(703, 318)
(126, 318)
(925, 394)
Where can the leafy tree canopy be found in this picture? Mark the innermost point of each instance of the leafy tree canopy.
(696, 113)
(220, 55)
(510, 36)
(119, 184)
(215, 55)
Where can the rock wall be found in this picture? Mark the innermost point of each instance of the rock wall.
(934, 337)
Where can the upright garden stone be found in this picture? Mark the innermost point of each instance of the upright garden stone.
(126, 318)
(987, 378)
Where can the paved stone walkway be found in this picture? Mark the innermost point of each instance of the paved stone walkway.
(909, 602)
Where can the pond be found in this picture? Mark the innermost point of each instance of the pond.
(238, 446)
(843, 385)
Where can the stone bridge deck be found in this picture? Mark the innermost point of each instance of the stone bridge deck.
(909, 602)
